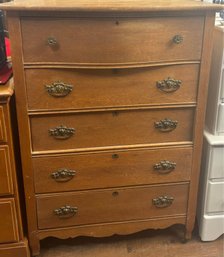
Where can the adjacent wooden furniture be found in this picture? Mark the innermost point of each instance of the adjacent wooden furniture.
(12, 241)
(111, 103)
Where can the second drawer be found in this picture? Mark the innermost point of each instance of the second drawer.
(57, 89)
(111, 169)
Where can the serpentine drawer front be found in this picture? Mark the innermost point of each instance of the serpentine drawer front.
(111, 104)
(57, 89)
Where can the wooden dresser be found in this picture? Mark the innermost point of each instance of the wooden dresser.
(12, 241)
(111, 102)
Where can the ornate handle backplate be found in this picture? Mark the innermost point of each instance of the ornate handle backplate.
(168, 85)
(63, 175)
(178, 39)
(61, 132)
(163, 201)
(66, 211)
(59, 89)
(164, 167)
(166, 125)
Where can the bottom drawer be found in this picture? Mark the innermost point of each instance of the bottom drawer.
(121, 204)
(8, 223)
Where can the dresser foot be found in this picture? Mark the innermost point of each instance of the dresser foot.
(187, 236)
(34, 245)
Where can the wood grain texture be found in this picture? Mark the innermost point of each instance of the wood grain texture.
(3, 136)
(8, 221)
(13, 242)
(109, 5)
(16, 49)
(111, 169)
(6, 91)
(110, 88)
(117, 204)
(150, 243)
(200, 118)
(109, 41)
(20, 249)
(112, 40)
(111, 129)
(6, 184)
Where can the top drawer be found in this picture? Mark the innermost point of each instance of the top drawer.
(97, 41)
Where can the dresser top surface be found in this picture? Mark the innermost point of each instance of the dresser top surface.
(108, 5)
(7, 89)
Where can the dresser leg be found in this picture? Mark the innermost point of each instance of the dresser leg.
(34, 245)
(187, 236)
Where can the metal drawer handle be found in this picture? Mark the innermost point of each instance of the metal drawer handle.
(51, 41)
(178, 39)
(164, 167)
(66, 211)
(59, 89)
(163, 201)
(169, 85)
(63, 175)
(166, 125)
(61, 132)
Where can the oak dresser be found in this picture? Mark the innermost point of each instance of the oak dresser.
(110, 101)
(12, 240)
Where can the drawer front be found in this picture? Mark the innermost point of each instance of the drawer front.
(114, 169)
(216, 163)
(2, 126)
(5, 171)
(220, 119)
(111, 40)
(73, 89)
(119, 204)
(99, 129)
(8, 222)
(215, 200)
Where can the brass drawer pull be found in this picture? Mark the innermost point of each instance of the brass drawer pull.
(163, 201)
(164, 167)
(61, 132)
(166, 125)
(51, 41)
(168, 85)
(178, 39)
(63, 175)
(66, 211)
(59, 89)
